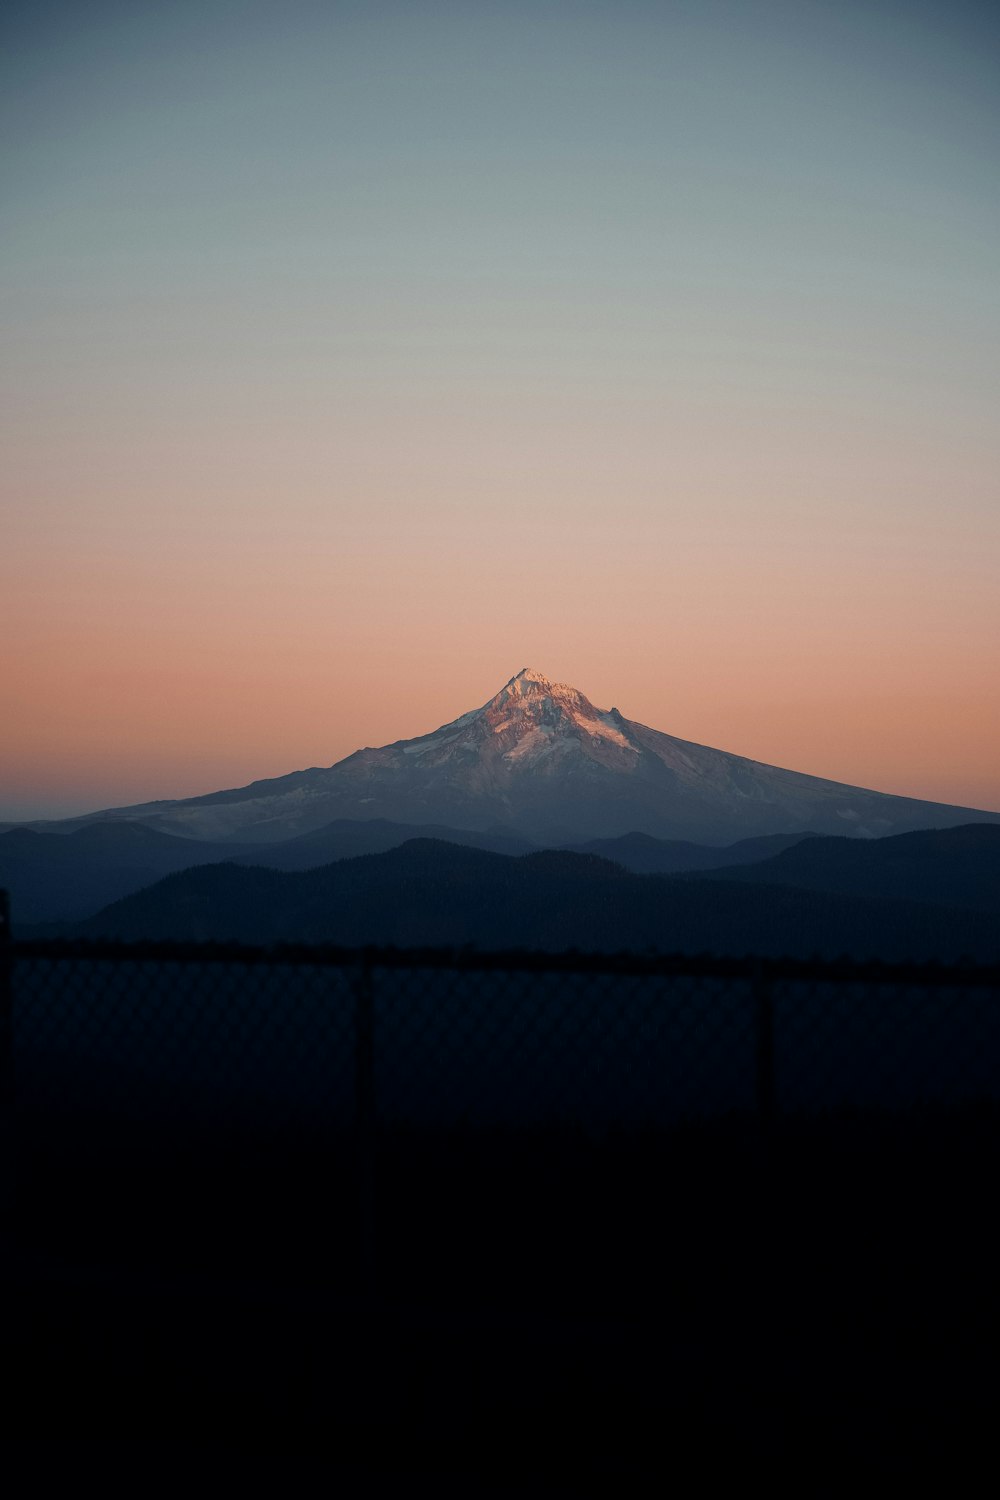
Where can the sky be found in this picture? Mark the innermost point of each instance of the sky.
(356, 356)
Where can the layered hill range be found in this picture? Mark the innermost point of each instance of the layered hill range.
(539, 761)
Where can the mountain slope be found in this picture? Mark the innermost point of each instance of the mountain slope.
(541, 762)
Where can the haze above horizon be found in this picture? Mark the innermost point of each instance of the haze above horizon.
(355, 355)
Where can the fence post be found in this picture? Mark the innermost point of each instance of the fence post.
(764, 1036)
(7, 1055)
(364, 1124)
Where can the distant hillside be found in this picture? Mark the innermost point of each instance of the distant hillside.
(68, 876)
(430, 893)
(346, 838)
(55, 877)
(958, 867)
(645, 855)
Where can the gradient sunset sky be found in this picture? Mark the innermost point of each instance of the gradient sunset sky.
(357, 355)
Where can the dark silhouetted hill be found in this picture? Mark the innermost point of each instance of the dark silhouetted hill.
(346, 838)
(956, 867)
(428, 893)
(68, 876)
(645, 855)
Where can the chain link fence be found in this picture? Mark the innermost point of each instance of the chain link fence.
(468, 1039)
(453, 1164)
(244, 1051)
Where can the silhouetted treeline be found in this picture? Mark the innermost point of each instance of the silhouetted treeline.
(433, 893)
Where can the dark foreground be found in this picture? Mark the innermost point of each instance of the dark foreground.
(503, 1230)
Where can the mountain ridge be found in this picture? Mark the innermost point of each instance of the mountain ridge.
(955, 867)
(541, 762)
(427, 893)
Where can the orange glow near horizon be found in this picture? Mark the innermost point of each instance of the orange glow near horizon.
(170, 673)
(354, 360)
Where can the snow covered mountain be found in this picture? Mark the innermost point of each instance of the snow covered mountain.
(539, 760)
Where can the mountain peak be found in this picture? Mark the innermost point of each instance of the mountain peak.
(529, 675)
(532, 719)
(532, 690)
(529, 683)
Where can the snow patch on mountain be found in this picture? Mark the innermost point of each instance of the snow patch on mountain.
(602, 730)
(540, 740)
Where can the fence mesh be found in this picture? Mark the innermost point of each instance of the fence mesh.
(468, 1040)
(790, 1162)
